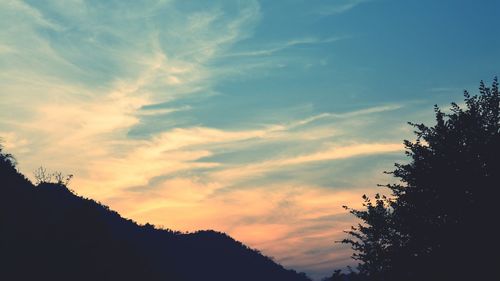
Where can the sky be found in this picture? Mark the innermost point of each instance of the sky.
(256, 118)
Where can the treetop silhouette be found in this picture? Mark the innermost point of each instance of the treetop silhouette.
(437, 223)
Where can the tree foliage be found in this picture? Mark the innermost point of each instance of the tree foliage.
(6, 159)
(439, 223)
(371, 241)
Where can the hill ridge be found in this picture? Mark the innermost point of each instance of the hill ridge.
(50, 232)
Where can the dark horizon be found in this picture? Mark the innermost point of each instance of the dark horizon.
(50, 233)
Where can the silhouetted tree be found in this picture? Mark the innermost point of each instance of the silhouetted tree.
(6, 159)
(372, 240)
(351, 275)
(440, 223)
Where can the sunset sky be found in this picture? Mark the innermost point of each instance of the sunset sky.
(256, 118)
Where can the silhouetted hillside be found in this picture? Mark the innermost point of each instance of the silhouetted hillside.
(49, 233)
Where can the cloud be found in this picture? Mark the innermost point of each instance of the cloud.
(339, 8)
(126, 50)
(350, 114)
(297, 225)
(284, 46)
(331, 152)
(21, 9)
(79, 77)
(163, 111)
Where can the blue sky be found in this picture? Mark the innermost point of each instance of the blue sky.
(257, 118)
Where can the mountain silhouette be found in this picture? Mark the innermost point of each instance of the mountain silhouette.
(47, 232)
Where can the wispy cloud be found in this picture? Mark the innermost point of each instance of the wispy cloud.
(78, 77)
(339, 7)
(331, 152)
(163, 111)
(283, 46)
(350, 114)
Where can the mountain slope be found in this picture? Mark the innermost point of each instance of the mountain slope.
(49, 233)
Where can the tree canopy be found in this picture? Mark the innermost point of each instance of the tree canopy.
(439, 221)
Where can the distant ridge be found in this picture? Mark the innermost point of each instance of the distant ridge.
(49, 233)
